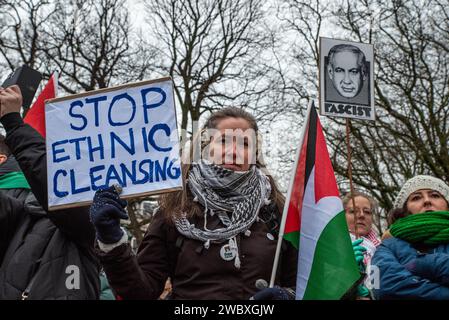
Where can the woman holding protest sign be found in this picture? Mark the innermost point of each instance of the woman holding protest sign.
(215, 239)
(413, 258)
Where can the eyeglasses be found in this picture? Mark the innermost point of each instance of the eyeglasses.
(365, 211)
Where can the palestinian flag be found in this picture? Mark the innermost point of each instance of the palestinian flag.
(316, 223)
(36, 115)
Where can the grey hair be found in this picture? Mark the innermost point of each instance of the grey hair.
(373, 203)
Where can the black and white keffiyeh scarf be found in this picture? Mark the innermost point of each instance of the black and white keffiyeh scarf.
(235, 197)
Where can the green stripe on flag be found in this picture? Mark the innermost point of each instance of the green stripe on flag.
(293, 237)
(13, 180)
(334, 269)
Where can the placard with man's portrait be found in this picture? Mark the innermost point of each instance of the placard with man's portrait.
(346, 79)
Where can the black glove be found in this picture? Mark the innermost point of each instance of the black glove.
(275, 293)
(105, 213)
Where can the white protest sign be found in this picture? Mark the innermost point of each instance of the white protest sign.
(125, 135)
(346, 79)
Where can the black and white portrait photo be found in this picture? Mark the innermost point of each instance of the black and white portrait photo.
(346, 79)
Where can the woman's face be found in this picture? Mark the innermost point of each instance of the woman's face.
(233, 144)
(426, 200)
(364, 215)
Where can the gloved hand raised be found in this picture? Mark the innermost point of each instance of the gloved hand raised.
(105, 213)
(275, 293)
(362, 291)
(358, 251)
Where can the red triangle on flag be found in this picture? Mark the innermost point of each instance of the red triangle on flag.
(325, 182)
(36, 115)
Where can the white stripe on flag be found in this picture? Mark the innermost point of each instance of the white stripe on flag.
(314, 218)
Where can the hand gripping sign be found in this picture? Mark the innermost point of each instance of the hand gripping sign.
(125, 135)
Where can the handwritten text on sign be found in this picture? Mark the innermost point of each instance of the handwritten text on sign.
(125, 135)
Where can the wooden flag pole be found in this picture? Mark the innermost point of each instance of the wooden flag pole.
(348, 145)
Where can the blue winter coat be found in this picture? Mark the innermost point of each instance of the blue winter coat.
(406, 273)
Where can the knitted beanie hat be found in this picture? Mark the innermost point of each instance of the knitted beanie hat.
(418, 183)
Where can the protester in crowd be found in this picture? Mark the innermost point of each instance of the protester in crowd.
(216, 238)
(360, 224)
(13, 189)
(413, 258)
(43, 255)
(365, 209)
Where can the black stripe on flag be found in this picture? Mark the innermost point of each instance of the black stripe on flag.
(311, 144)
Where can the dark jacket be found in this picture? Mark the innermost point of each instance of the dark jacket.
(408, 273)
(12, 206)
(196, 272)
(44, 248)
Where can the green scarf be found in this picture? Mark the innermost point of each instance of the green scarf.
(13, 180)
(430, 228)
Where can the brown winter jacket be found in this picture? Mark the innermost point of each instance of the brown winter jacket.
(196, 272)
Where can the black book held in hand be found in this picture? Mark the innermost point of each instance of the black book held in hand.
(28, 81)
